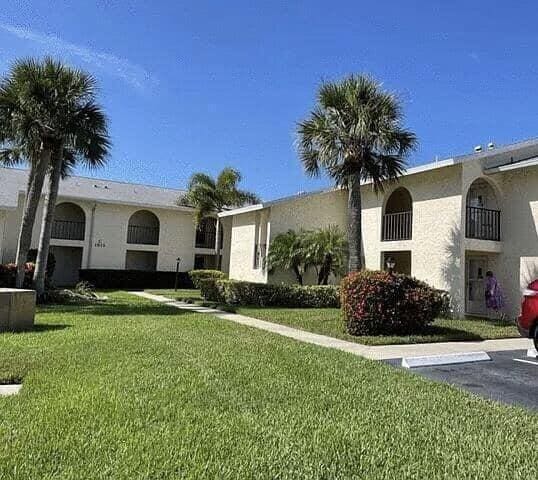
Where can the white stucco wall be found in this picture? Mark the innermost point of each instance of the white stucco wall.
(245, 232)
(108, 243)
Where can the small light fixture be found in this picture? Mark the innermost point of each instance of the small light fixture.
(391, 264)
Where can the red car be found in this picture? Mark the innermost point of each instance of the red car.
(527, 322)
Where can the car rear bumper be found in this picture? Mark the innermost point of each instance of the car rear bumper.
(524, 332)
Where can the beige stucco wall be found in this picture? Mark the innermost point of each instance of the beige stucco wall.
(245, 233)
(436, 236)
(108, 243)
(517, 264)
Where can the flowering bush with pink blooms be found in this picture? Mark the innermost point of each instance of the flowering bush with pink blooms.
(378, 303)
(8, 273)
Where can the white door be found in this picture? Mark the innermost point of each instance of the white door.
(476, 269)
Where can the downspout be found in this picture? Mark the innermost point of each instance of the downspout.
(90, 244)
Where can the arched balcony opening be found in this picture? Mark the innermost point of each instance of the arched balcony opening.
(143, 228)
(483, 213)
(69, 222)
(206, 233)
(398, 216)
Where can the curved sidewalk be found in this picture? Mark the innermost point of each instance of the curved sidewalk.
(383, 352)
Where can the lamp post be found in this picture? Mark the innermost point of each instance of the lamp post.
(178, 261)
(391, 265)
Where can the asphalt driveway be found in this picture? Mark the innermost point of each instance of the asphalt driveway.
(510, 377)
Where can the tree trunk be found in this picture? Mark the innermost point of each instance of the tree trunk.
(33, 195)
(298, 275)
(46, 225)
(354, 229)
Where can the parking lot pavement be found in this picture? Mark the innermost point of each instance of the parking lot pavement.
(510, 377)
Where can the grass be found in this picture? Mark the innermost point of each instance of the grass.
(181, 294)
(138, 390)
(328, 321)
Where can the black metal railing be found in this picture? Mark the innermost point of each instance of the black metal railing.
(142, 235)
(397, 226)
(483, 224)
(205, 238)
(67, 230)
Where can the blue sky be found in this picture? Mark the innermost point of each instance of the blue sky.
(196, 86)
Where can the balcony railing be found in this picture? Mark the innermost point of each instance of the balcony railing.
(206, 239)
(141, 235)
(67, 230)
(483, 224)
(397, 226)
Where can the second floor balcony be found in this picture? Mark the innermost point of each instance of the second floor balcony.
(397, 222)
(482, 213)
(483, 224)
(67, 230)
(206, 234)
(141, 235)
(397, 226)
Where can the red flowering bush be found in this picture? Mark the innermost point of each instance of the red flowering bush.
(377, 303)
(8, 274)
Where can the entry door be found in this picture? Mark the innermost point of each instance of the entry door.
(476, 269)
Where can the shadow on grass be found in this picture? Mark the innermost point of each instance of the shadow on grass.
(449, 334)
(114, 309)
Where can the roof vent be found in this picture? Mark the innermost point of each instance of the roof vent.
(478, 149)
(491, 146)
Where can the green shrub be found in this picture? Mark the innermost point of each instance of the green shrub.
(198, 275)
(377, 303)
(232, 292)
(209, 290)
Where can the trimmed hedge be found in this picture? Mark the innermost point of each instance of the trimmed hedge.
(232, 292)
(8, 274)
(136, 279)
(378, 303)
(198, 275)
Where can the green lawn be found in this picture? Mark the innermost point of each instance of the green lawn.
(179, 294)
(138, 390)
(328, 321)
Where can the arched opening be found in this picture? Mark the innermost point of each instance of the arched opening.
(398, 216)
(69, 222)
(143, 228)
(483, 214)
(206, 233)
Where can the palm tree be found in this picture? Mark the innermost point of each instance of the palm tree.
(355, 134)
(25, 133)
(209, 196)
(37, 110)
(288, 253)
(81, 135)
(326, 250)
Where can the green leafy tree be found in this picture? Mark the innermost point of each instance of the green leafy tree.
(210, 196)
(326, 251)
(355, 135)
(287, 252)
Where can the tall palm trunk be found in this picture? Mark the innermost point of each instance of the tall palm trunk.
(46, 224)
(33, 195)
(354, 229)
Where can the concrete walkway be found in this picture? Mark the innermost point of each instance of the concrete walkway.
(376, 353)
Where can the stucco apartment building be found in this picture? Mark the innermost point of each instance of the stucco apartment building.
(102, 224)
(446, 223)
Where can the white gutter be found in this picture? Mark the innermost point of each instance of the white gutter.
(531, 162)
